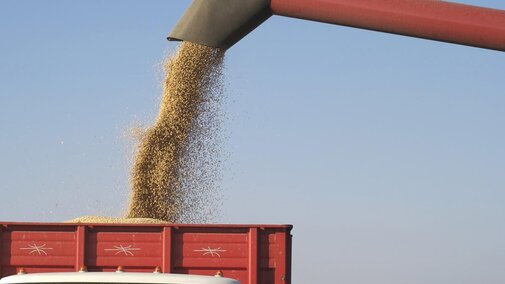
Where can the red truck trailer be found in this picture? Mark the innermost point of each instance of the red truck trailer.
(252, 254)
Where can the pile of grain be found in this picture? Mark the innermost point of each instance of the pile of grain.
(177, 160)
(109, 220)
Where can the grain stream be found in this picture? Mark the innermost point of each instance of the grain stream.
(176, 169)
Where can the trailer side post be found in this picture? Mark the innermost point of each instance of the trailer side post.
(167, 249)
(289, 255)
(281, 275)
(80, 242)
(1, 251)
(253, 256)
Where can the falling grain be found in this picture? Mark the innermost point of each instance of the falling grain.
(177, 162)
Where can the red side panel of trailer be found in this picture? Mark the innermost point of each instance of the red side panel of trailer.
(252, 254)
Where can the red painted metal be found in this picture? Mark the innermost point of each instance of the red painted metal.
(253, 254)
(1, 249)
(167, 250)
(80, 247)
(429, 19)
(280, 271)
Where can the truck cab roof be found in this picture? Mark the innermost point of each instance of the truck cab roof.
(115, 277)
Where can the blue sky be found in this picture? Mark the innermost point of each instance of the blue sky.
(385, 152)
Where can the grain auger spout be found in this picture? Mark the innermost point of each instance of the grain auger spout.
(222, 23)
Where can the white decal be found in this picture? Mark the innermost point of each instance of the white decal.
(40, 250)
(121, 249)
(211, 251)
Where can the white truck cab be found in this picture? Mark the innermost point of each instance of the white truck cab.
(113, 278)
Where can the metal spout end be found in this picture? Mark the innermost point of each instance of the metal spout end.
(220, 23)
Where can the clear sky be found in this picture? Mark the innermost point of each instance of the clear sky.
(385, 152)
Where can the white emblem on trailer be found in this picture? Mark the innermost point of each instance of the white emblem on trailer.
(40, 250)
(211, 251)
(127, 250)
